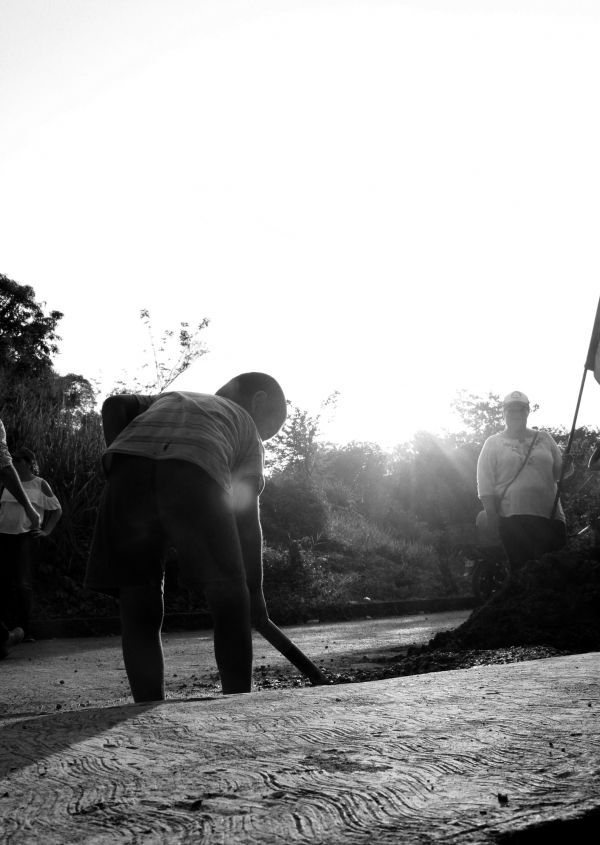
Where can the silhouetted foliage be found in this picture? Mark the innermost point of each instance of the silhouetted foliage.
(295, 446)
(292, 507)
(28, 338)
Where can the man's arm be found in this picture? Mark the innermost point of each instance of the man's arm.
(491, 512)
(485, 486)
(117, 412)
(245, 499)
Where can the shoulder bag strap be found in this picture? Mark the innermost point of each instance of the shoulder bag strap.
(514, 478)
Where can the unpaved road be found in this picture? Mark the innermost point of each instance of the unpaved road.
(67, 674)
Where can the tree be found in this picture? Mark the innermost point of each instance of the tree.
(482, 415)
(361, 469)
(170, 355)
(77, 393)
(292, 507)
(28, 336)
(436, 481)
(28, 339)
(295, 447)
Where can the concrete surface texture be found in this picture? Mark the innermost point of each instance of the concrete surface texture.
(487, 754)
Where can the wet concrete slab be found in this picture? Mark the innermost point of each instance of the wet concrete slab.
(499, 753)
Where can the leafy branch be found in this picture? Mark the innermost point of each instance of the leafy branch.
(171, 354)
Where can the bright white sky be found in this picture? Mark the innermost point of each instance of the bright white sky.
(396, 200)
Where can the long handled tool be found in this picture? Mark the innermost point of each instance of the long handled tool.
(285, 646)
(592, 362)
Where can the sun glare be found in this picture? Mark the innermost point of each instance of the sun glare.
(366, 197)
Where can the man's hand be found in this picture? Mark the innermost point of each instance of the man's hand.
(492, 521)
(487, 536)
(487, 523)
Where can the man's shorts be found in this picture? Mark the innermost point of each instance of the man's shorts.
(150, 506)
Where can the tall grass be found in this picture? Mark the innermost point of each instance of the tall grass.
(298, 583)
(68, 446)
(390, 568)
(349, 556)
(360, 534)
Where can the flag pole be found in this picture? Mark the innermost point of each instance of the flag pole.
(590, 364)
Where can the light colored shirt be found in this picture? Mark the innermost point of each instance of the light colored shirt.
(203, 429)
(13, 519)
(5, 458)
(534, 490)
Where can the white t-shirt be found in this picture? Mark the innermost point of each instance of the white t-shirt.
(13, 519)
(5, 458)
(534, 490)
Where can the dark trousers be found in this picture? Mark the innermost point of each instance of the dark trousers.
(18, 554)
(150, 506)
(529, 537)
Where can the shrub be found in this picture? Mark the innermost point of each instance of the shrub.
(388, 567)
(297, 584)
(292, 507)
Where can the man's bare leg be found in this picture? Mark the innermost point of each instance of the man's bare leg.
(142, 611)
(230, 608)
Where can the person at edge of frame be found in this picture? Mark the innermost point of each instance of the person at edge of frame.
(9, 478)
(20, 548)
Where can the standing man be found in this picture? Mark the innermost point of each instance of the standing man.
(517, 475)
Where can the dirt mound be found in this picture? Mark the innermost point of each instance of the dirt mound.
(551, 608)
(553, 603)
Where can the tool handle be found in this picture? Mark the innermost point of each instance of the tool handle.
(285, 646)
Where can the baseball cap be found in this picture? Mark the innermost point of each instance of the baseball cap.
(515, 398)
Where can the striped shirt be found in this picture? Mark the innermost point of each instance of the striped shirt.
(207, 430)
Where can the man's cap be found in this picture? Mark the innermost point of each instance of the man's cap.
(515, 398)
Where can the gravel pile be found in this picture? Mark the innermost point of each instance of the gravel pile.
(552, 608)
